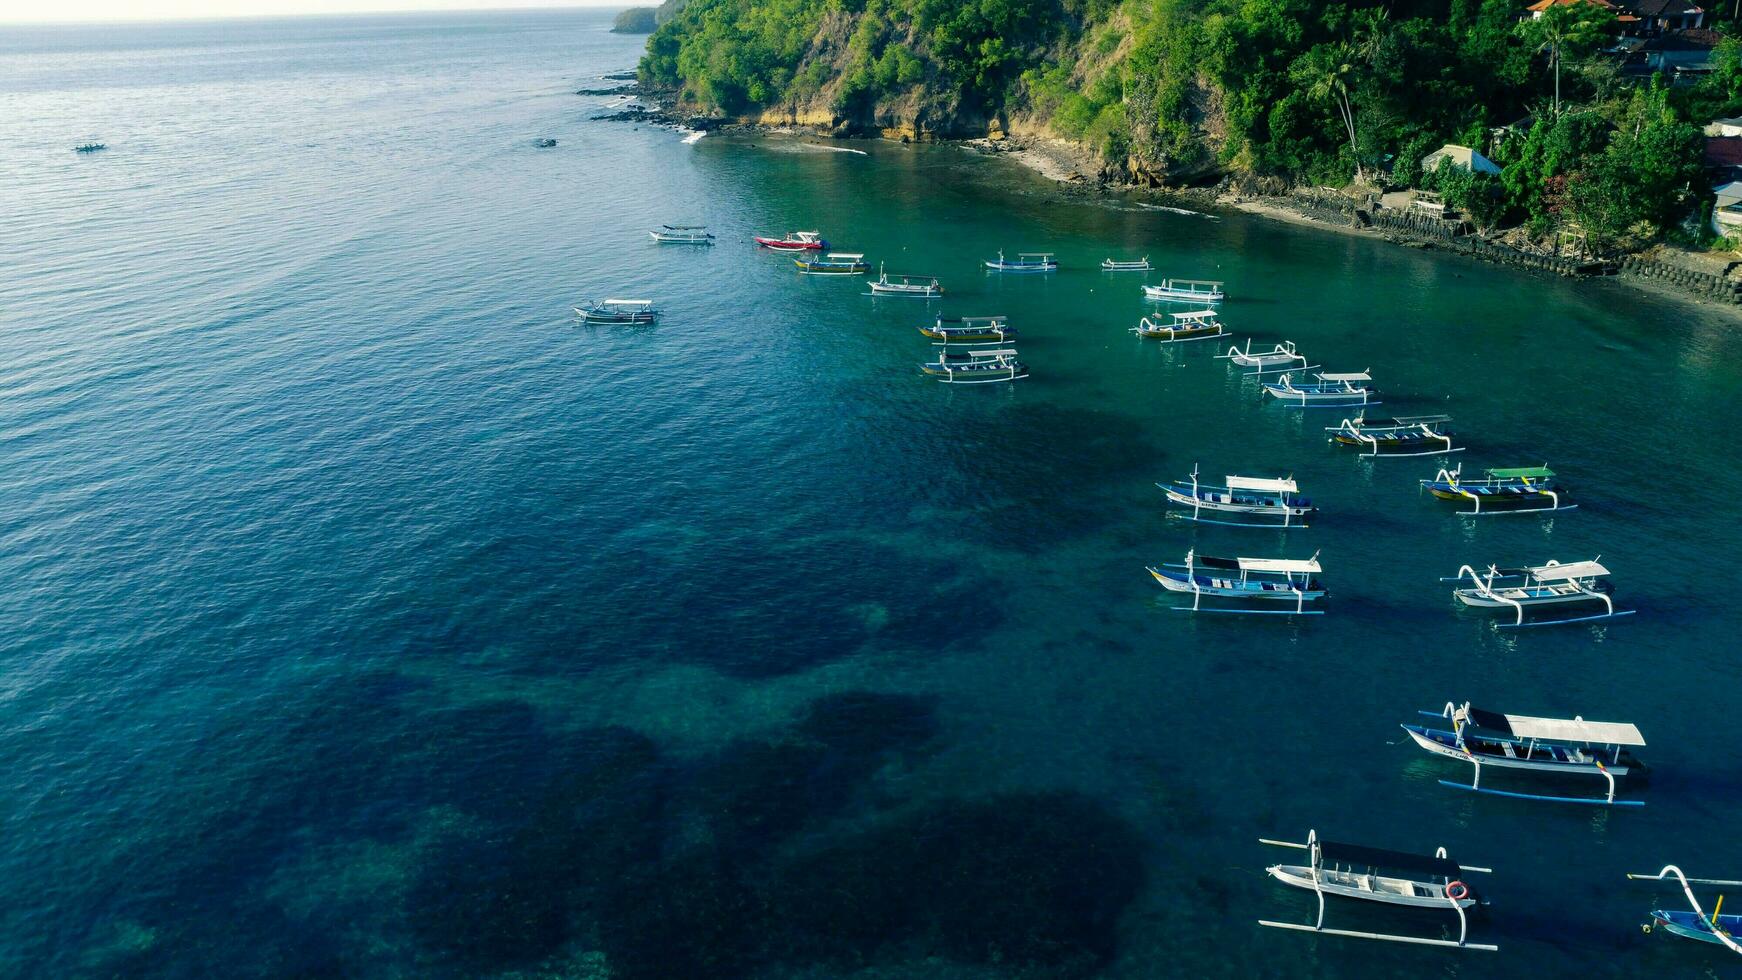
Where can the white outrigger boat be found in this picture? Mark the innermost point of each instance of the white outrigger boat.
(1518, 490)
(1414, 435)
(1716, 928)
(1024, 262)
(682, 235)
(1247, 580)
(1329, 391)
(922, 287)
(1354, 871)
(1197, 325)
(1115, 265)
(1282, 357)
(1271, 503)
(1187, 290)
(1538, 586)
(974, 367)
(625, 311)
(1570, 747)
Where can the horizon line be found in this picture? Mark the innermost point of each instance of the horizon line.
(520, 6)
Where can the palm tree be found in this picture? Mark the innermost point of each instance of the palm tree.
(1566, 27)
(1332, 77)
(1373, 31)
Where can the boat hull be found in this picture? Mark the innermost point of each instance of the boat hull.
(822, 269)
(1369, 888)
(788, 245)
(1690, 926)
(1220, 501)
(919, 292)
(963, 336)
(1178, 581)
(1444, 744)
(1179, 336)
(1508, 598)
(1181, 295)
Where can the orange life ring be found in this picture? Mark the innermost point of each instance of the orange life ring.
(1457, 891)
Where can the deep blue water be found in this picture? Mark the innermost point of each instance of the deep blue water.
(362, 616)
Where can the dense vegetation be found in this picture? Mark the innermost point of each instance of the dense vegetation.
(1306, 90)
(635, 20)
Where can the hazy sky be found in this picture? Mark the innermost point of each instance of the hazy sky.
(86, 10)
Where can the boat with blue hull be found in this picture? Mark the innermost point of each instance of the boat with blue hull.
(1716, 928)
(1331, 390)
(1569, 747)
(1244, 580)
(1025, 262)
(1248, 501)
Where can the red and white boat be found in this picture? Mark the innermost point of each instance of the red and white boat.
(798, 241)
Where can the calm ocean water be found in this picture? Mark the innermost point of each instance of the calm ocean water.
(362, 616)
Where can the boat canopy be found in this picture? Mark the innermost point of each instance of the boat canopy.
(1034, 255)
(996, 321)
(1421, 419)
(1191, 282)
(1309, 566)
(685, 227)
(1378, 857)
(1195, 315)
(992, 353)
(1355, 376)
(847, 256)
(627, 302)
(1570, 570)
(1522, 473)
(1256, 483)
(1558, 729)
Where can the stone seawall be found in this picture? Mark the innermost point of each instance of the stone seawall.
(1460, 237)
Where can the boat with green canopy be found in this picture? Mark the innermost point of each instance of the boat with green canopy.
(1514, 490)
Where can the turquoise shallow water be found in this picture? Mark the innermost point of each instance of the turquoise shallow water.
(363, 616)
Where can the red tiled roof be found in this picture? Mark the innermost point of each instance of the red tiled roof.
(1724, 151)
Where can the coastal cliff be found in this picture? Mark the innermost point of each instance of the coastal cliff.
(926, 69)
(1243, 93)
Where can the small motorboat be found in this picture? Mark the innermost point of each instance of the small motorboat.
(798, 241)
(90, 147)
(544, 143)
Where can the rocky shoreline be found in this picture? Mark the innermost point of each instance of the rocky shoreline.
(1078, 174)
